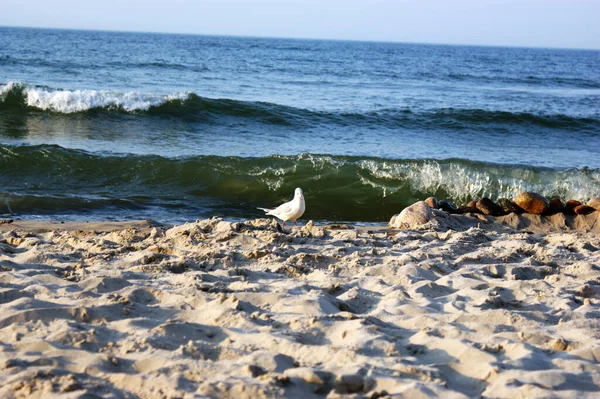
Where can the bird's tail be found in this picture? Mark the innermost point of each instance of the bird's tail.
(267, 211)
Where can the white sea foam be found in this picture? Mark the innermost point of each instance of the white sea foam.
(4, 89)
(71, 101)
(463, 182)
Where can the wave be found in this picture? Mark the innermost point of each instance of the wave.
(530, 80)
(46, 179)
(545, 81)
(19, 98)
(59, 64)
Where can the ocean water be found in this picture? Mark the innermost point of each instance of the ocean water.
(112, 125)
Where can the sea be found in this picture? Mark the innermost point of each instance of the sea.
(99, 125)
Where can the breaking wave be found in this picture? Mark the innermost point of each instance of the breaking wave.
(46, 179)
(190, 106)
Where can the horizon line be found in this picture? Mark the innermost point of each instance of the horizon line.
(303, 38)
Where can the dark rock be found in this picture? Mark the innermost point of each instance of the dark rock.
(448, 206)
(432, 202)
(583, 210)
(594, 203)
(556, 206)
(468, 209)
(487, 207)
(570, 206)
(585, 291)
(533, 203)
(507, 206)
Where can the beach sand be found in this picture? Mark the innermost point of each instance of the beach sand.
(464, 306)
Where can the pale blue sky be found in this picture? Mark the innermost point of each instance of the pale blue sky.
(538, 23)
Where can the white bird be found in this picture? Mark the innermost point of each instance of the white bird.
(291, 210)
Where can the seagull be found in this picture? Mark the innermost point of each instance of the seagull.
(290, 210)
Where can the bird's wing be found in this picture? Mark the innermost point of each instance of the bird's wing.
(283, 209)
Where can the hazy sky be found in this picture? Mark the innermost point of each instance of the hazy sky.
(545, 23)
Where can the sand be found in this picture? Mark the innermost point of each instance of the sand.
(464, 306)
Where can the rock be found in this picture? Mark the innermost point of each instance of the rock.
(468, 209)
(583, 210)
(570, 207)
(585, 291)
(416, 214)
(594, 203)
(556, 206)
(432, 202)
(533, 203)
(507, 206)
(448, 206)
(487, 207)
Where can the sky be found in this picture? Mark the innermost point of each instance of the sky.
(530, 23)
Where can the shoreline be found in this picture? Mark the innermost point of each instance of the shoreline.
(537, 223)
(459, 307)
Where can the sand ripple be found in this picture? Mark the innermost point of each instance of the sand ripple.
(219, 309)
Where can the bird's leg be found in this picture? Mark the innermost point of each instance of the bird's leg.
(283, 224)
(295, 223)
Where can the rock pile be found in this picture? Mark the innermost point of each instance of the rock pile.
(525, 202)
